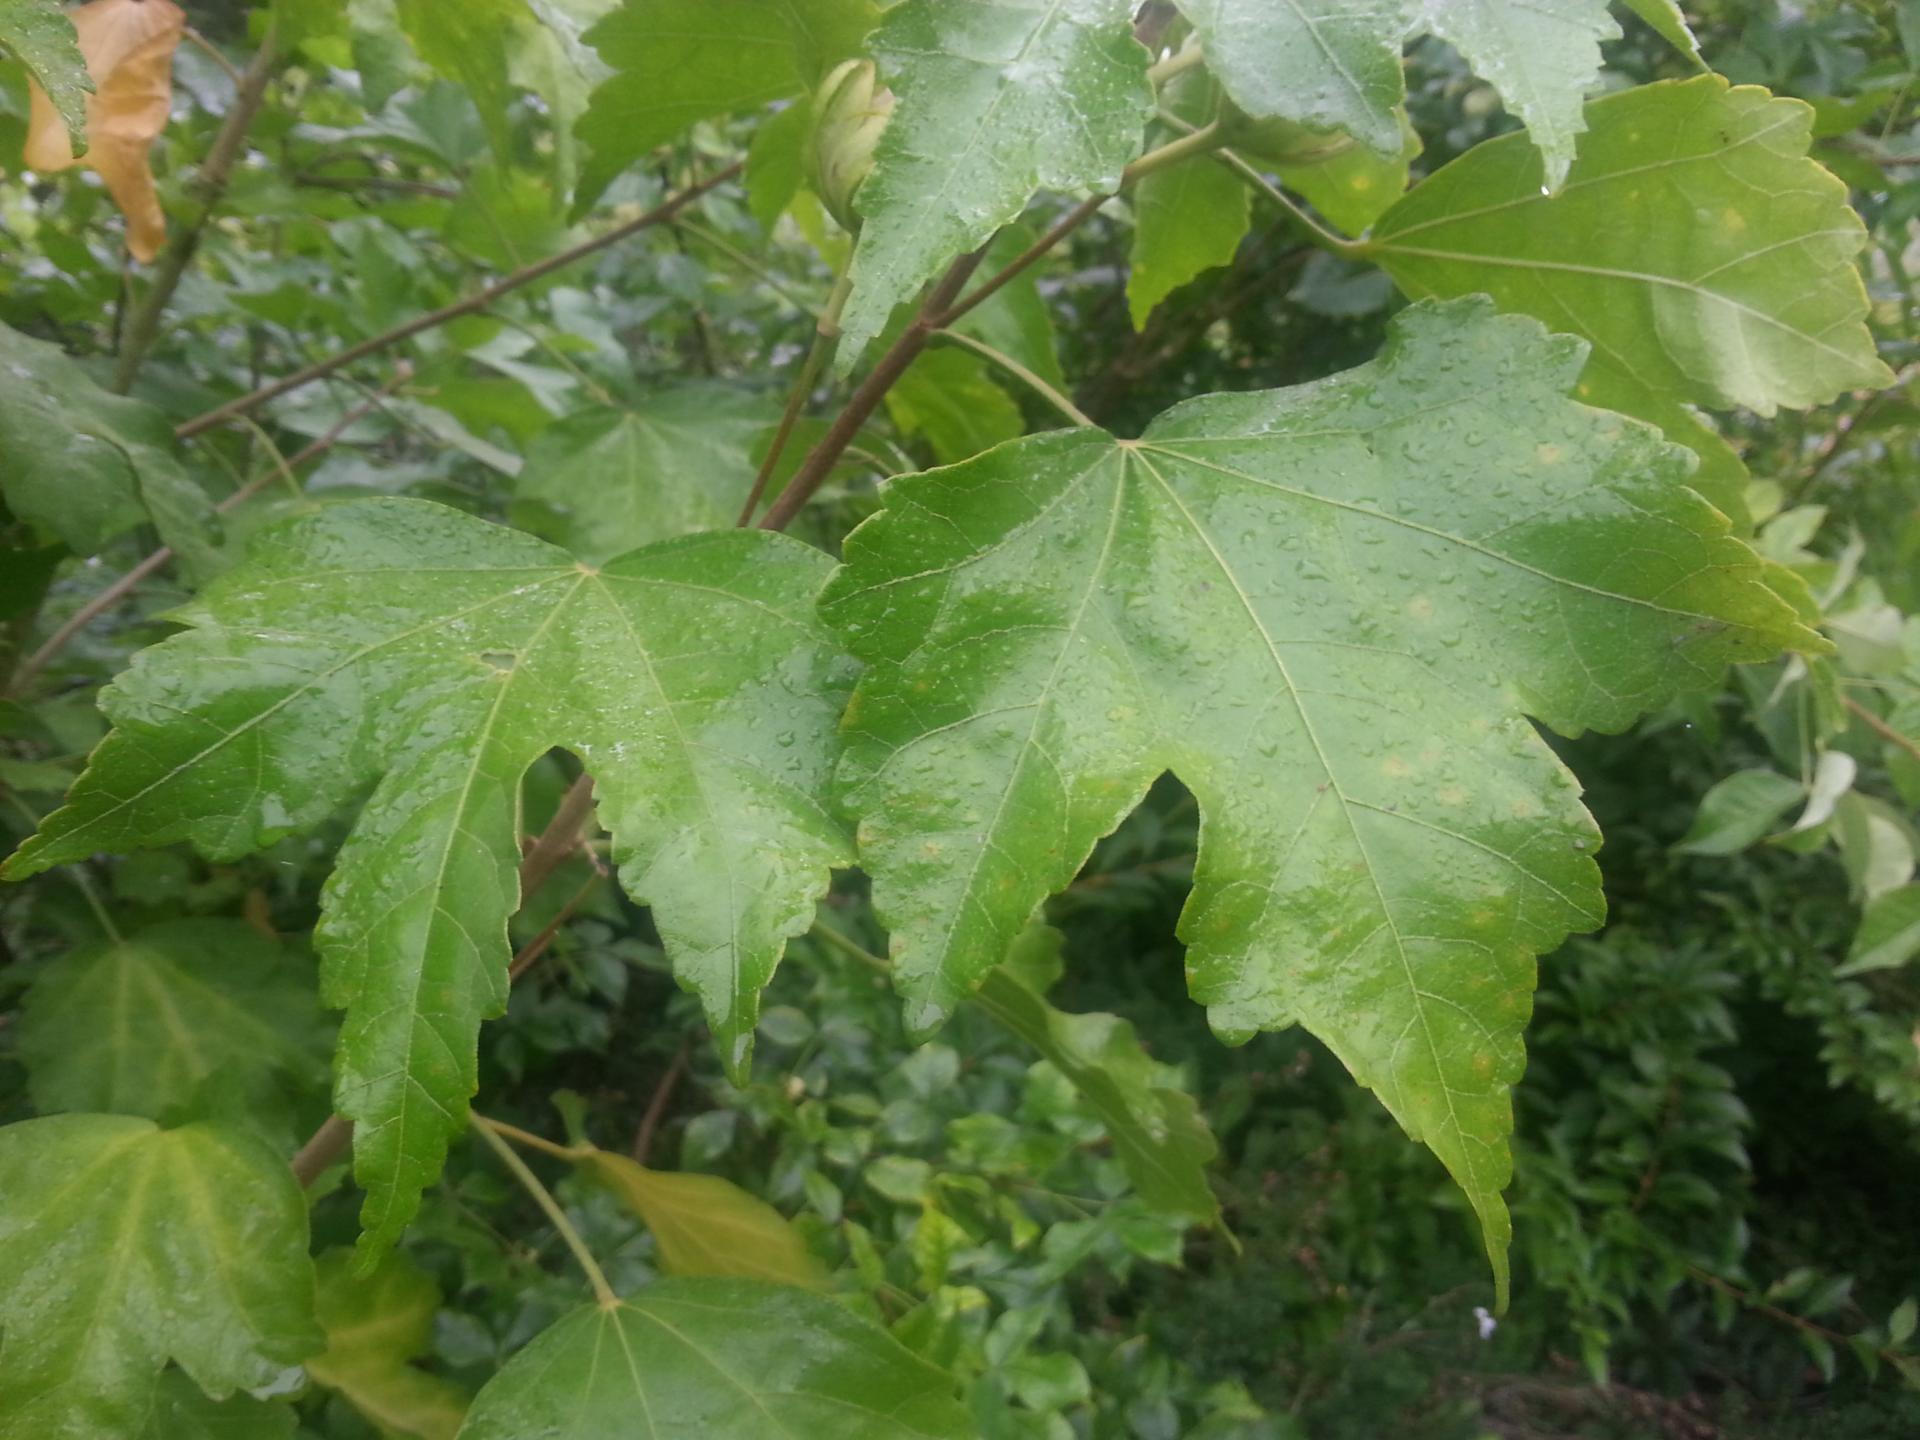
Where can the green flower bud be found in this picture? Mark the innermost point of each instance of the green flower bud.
(850, 109)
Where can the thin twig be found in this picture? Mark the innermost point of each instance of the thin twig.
(1881, 728)
(119, 589)
(596, 1277)
(479, 300)
(214, 53)
(533, 1141)
(530, 952)
(657, 1105)
(323, 1147)
(1013, 367)
(867, 396)
(250, 90)
(825, 332)
(1056, 232)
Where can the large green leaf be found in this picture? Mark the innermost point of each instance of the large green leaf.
(82, 465)
(718, 1360)
(403, 645)
(123, 1245)
(1335, 64)
(1707, 259)
(679, 61)
(1328, 611)
(678, 462)
(39, 34)
(142, 1025)
(375, 1325)
(995, 101)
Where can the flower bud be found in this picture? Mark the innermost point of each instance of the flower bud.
(850, 110)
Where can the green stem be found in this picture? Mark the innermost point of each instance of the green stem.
(1201, 141)
(1316, 232)
(533, 1141)
(746, 262)
(825, 333)
(1175, 64)
(490, 1130)
(1013, 367)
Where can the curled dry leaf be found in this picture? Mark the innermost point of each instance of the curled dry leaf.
(128, 45)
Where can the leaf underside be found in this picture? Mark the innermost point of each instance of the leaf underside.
(1328, 610)
(404, 646)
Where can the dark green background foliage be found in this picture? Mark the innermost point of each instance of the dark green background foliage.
(1717, 1137)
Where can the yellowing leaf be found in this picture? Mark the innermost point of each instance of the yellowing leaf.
(708, 1226)
(375, 1324)
(128, 45)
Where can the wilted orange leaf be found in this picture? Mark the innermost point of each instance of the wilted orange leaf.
(128, 45)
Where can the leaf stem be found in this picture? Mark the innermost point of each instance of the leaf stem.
(1177, 63)
(867, 396)
(479, 300)
(1013, 367)
(826, 332)
(250, 91)
(490, 1131)
(1201, 141)
(1316, 232)
(1059, 231)
(531, 1140)
(1881, 728)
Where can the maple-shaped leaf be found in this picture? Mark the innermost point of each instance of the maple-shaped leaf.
(692, 1359)
(994, 101)
(404, 646)
(375, 1325)
(1329, 611)
(146, 1023)
(1335, 64)
(612, 479)
(1709, 261)
(123, 1245)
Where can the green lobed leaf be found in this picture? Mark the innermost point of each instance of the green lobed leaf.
(1707, 259)
(1188, 218)
(699, 1359)
(682, 61)
(375, 1325)
(143, 1025)
(39, 34)
(677, 462)
(1156, 1127)
(434, 657)
(704, 1225)
(994, 101)
(122, 1246)
(83, 465)
(1335, 64)
(1327, 610)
